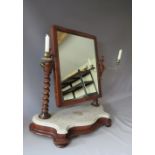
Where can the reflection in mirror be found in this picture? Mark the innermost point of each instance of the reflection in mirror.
(78, 70)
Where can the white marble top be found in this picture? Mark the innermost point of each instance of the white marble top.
(70, 117)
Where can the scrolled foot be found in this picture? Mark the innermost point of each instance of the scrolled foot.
(61, 141)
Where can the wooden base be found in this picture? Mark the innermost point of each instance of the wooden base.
(62, 140)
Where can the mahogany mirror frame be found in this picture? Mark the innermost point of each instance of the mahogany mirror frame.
(57, 79)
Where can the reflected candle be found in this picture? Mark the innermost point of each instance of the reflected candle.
(119, 55)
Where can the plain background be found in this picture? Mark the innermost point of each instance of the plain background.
(111, 22)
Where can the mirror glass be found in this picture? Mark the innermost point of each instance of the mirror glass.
(78, 72)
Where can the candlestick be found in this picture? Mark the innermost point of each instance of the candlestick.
(47, 41)
(119, 55)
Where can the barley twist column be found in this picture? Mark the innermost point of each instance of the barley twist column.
(47, 67)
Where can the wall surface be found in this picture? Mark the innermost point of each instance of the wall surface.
(110, 21)
(75, 52)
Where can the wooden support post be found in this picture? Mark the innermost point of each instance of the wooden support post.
(95, 103)
(47, 67)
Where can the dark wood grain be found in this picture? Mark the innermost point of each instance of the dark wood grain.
(62, 140)
(47, 67)
(54, 51)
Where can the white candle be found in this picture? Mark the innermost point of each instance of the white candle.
(119, 55)
(47, 43)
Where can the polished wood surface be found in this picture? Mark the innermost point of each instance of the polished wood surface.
(62, 140)
(47, 67)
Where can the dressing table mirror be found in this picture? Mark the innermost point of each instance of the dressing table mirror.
(73, 60)
(77, 74)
